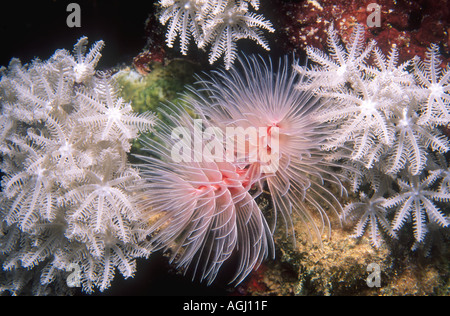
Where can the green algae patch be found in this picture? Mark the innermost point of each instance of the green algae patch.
(165, 84)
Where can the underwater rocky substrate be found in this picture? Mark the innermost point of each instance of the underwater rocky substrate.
(341, 266)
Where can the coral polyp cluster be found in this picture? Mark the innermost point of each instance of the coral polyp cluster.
(65, 199)
(386, 120)
(219, 23)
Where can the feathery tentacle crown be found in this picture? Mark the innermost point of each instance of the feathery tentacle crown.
(200, 208)
(254, 94)
(203, 206)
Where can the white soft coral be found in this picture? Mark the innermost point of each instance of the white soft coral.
(370, 211)
(185, 19)
(341, 65)
(416, 198)
(361, 116)
(411, 142)
(109, 116)
(234, 23)
(217, 22)
(65, 198)
(436, 88)
(384, 121)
